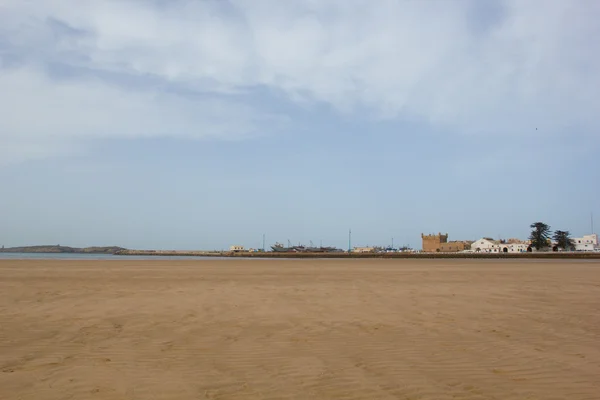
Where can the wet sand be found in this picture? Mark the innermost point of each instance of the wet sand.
(300, 329)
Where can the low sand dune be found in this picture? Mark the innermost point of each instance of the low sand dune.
(300, 329)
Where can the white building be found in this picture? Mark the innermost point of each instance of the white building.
(236, 248)
(516, 247)
(488, 245)
(587, 243)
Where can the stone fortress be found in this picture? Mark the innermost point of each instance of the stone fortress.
(432, 243)
(438, 243)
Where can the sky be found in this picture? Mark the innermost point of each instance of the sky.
(200, 124)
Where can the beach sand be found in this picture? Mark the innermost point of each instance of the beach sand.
(300, 329)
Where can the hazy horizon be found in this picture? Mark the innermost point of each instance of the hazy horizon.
(199, 125)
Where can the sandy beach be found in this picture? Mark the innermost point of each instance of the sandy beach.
(300, 329)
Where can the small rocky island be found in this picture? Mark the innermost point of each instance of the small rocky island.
(62, 249)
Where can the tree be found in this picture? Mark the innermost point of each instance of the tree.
(563, 240)
(539, 235)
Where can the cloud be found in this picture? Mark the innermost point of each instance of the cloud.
(159, 68)
(43, 115)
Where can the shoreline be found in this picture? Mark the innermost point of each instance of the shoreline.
(282, 255)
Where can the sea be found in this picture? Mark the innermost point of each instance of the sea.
(76, 256)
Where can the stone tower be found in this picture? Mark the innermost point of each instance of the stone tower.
(431, 243)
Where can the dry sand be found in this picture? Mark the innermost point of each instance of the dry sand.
(300, 329)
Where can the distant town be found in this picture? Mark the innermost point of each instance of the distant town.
(541, 240)
(439, 243)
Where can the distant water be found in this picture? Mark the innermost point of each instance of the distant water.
(71, 256)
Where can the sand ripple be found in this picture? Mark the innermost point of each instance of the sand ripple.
(301, 329)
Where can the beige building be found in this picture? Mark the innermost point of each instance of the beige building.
(455, 246)
(432, 243)
(363, 250)
(237, 248)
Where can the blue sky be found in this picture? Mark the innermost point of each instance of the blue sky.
(201, 124)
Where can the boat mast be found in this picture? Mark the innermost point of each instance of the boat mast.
(349, 240)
